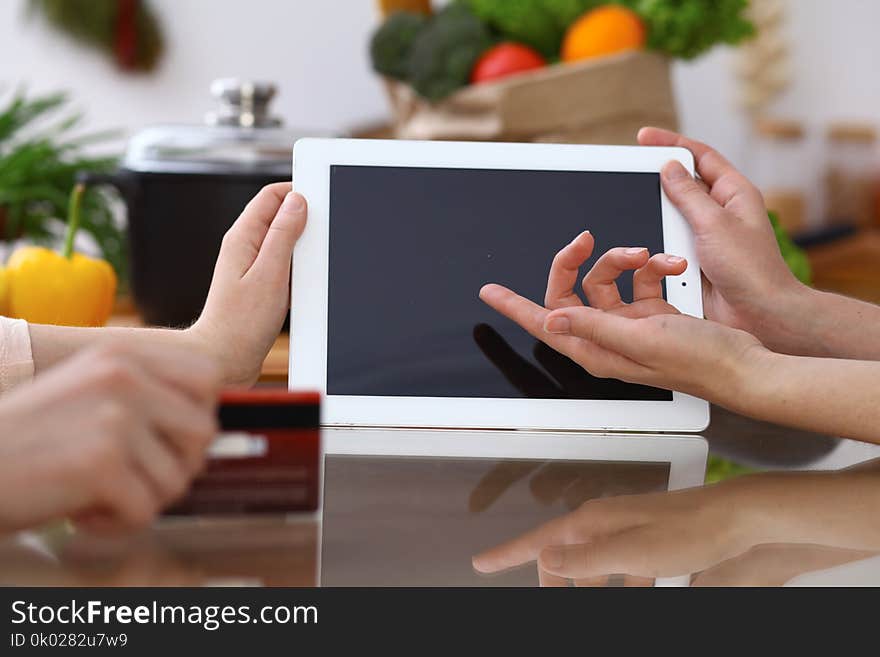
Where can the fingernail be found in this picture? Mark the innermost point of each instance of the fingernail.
(674, 171)
(579, 237)
(552, 557)
(674, 260)
(636, 250)
(557, 325)
(293, 202)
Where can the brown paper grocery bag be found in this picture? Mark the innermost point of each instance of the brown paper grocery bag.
(598, 101)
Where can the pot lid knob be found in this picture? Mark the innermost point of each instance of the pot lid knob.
(243, 103)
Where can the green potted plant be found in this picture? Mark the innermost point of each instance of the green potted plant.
(40, 157)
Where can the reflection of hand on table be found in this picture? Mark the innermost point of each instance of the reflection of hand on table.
(693, 531)
(572, 483)
(775, 564)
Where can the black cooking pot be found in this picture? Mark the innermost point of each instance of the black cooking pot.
(184, 186)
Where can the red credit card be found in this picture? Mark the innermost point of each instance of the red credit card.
(266, 458)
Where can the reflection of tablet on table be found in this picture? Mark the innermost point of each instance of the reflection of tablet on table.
(402, 235)
(410, 508)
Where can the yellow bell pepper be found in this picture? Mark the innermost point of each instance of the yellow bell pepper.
(67, 288)
(4, 292)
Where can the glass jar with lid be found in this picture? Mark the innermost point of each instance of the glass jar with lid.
(779, 171)
(851, 173)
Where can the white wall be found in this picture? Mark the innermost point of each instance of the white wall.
(316, 51)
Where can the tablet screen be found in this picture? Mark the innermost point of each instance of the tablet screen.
(452, 509)
(411, 247)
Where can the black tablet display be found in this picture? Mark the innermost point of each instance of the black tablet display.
(411, 248)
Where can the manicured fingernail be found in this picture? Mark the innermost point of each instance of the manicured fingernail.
(557, 325)
(674, 260)
(674, 171)
(580, 237)
(293, 202)
(636, 250)
(552, 557)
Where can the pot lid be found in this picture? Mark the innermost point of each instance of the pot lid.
(239, 137)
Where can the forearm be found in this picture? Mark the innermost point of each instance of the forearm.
(814, 323)
(835, 509)
(53, 344)
(834, 396)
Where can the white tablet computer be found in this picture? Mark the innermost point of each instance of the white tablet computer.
(401, 236)
(412, 507)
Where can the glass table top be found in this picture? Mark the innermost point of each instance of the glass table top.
(420, 521)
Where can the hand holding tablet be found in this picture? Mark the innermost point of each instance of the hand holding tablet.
(402, 234)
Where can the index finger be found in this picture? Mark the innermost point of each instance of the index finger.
(526, 313)
(248, 232)
(522, 549)
(725, 181)
(594, 518)
(710, 164)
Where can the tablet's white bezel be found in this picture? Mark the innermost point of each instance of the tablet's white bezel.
(686, 455)
(308, 347)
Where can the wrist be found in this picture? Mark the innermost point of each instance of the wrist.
(736, 381)
(198, 337)
(752, 510)
(789, 321)
(738, 515)
(236, 368)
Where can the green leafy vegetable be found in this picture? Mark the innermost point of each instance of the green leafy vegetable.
(540, 24)
(688, 28)
(38, 168)
(445, 52)
(392, 43)
(681, 28)
(566, 12)
(719, 469)
(793, 255)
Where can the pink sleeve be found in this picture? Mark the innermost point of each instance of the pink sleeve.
(16, 359)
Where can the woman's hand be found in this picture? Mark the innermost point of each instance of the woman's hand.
(250, 292)
(109, 437)
(746, 284)
(649, 536)
(646, 341)
(691, 531)
(246, 306)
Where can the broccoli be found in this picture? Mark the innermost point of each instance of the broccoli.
(445, 52)
(688, 28)
(392, 43)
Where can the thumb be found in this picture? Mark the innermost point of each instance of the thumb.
(273, 261)
(700, 209)
(618, 554)
(603, 329)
